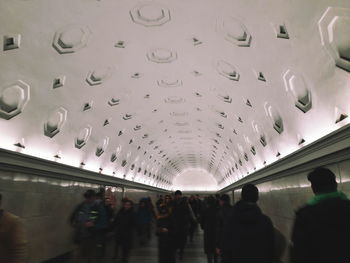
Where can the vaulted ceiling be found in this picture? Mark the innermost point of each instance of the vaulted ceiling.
(144, 90)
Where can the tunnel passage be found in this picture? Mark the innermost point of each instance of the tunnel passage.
(137, 93)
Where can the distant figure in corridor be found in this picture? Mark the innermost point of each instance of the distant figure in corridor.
(144, 218)
(208, 224)
(222, 214)
(165, 230)
(125, 225)
(248, 233)
(13, 243)
(83, 220)
(321, 229)
(181, 216)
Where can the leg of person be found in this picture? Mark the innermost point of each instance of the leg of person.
(125, 253)
(209, 257)
(116, 249)
(216, 258)
(90, 250)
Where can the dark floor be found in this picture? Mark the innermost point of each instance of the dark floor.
(149, 252)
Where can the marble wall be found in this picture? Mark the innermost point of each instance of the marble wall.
(280, 198)
(45, 204)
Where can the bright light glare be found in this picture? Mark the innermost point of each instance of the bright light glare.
(195, 180)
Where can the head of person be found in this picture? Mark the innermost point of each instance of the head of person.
(100, 195)
(250, 193)
(211, 201)
(322, 181)
(163, 209)
(167, 199)
(108, 201)
(89, 196)
(142, 203)
(127, 204)
(178, 194)
(224, 200)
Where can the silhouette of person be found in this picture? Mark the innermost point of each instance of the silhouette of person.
(322, 227)
(248, 233)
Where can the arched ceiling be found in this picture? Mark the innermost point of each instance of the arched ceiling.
(146, 89)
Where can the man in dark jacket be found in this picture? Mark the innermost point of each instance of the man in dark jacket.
(125, 224)
(83, 220)
(222, 215)
(322, 228)
(181, 216)
(208, 224)
(166, 235)
(249, 234)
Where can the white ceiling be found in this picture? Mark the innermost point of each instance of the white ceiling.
(160, 87)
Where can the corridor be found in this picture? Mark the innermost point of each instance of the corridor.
(138, 99)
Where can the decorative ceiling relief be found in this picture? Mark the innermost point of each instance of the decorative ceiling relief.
(175, 84)
(98, 76)
(83, 137)
(234, 31)
(227, 70)
(275, 117)
(281, 31)
(71, 38)
(150, 14)
(161, 55)
(101, 148)
(169, 84)
(59, 82)
(11, 42)
(13, 99)
(55, 122)
(296, 85)
(175, 100)
(334, 28)
(113, 102)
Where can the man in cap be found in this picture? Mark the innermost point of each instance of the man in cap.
(321, 229)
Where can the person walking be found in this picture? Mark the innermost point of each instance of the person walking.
(248, 233)
(222, 215)
(165, 231)
(125, 225)
(208, 224)
(321, 228)
(83, 219)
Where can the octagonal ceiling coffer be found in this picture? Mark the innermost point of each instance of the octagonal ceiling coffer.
(234, 31)
(13, 99)
(83, 137)
(150, 14)
(275, 118)
(55, 122)
(296, 85)
(334, 28)
(71, 38)
(169, 84)
(161, 55)
(98, 76)
(101, 148)
(227, 70)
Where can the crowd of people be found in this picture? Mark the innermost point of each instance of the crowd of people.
(232, 234)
